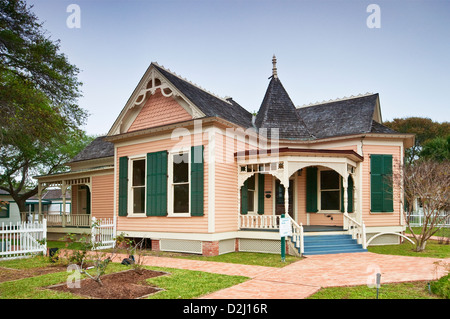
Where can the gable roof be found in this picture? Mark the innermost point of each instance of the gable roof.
(278, 111)
(341, 117)
(98, 148)
(209, 104)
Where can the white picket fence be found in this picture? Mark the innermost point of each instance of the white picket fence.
(23, 239)
(416, 220)
(102, 233)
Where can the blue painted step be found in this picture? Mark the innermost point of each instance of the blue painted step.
(331, 244)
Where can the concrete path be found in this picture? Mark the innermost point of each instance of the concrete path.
(305, 277)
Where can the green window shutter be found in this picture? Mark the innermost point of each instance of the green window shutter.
(197, 179)
(381, 199)
(244, 198)
(261, 194)
(157, 184)
(349, 195)
(388, 200)
(123, 185)
(311, 189)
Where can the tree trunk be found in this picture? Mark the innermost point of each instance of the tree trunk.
(421, 244)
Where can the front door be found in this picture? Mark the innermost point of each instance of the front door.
(84, 200)
(279, 198)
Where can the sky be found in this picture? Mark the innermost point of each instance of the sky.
(325, 50)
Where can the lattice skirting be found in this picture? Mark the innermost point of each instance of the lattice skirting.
(225, 246)
(260, 246)
(387, 239)
(182, 246)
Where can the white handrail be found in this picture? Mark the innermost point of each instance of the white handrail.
(297, 234)
(357, 230)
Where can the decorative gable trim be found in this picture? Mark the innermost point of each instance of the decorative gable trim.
(151, 81)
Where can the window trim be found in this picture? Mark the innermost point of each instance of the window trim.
(130, 187)
(319, 191)
(170, 184)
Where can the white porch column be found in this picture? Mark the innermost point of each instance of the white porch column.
(286, 199)
(345, 188)
(40, 202)
(63, 194)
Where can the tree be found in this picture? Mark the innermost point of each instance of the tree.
(20, 161)
(427, 181)
(35, 79)
(39, 115)
(437, 149)
(424, 129)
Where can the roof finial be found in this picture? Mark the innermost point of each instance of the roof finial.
(274, 69)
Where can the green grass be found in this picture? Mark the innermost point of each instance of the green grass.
(247, 258)
(406, 290)
(187, 284)
(180, 284)
(433, 249)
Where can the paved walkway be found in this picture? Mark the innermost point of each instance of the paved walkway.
(305, 277)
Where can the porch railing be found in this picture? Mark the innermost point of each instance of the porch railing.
(267, 222)
(259, 221)
(61, 220)
(357, 230)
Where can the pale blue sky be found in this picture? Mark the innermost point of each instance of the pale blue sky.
(324, 49)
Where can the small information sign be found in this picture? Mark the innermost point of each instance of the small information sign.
(285, 227)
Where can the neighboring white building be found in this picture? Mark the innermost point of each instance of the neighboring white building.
(51, 204)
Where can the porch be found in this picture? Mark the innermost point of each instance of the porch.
(310, 239)
(317, 189)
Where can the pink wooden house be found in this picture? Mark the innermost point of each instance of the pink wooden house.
(197, 173)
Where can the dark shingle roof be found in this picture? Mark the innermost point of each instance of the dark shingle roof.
(380, 128)
(98, 148)
(278, 111)
(343, 117)
(209, 104)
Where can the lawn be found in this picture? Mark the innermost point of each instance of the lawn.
(433, 249)
(406, 290)
(185, 284)
(180, 284)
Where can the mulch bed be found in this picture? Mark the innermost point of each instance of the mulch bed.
(128, 284)
(9, 274)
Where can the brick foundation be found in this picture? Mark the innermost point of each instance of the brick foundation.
(210, 248)
(155, 245)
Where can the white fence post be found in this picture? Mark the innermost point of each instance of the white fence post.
(102, 233)
(23, 239)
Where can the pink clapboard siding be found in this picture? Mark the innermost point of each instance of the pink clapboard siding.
(102, 196)
(159, 110)
(164, 224)
(380, 219)
(226, 182)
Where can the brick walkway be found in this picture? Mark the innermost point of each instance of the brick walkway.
(303, 278)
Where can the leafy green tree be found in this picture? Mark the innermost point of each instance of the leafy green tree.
(437, 149)
(424, 129)
(40, 119)
(19, 162)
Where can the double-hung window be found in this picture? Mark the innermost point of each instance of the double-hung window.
(330, 190)
(179, 185)
(138, 186)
